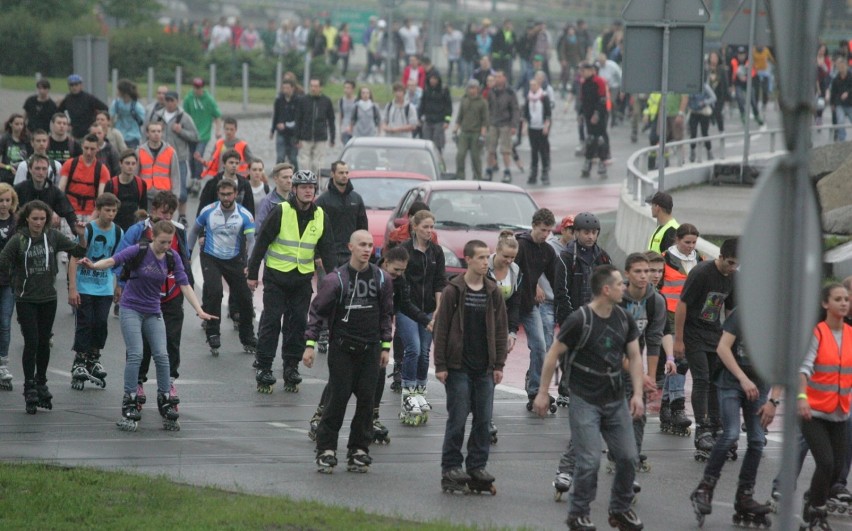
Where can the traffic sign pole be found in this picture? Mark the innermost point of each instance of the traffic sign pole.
(749, 89)
(662, 109)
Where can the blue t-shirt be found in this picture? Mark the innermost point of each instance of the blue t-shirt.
(223, 239)
(124, 119)
(102, 244)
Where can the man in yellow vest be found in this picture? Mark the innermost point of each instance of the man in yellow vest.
(661, 210)
(294, 234)
(158, 163)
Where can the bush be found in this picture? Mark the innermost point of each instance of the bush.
(133, 50)
(39, 46)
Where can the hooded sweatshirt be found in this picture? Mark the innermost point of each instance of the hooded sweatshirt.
(365, 119)
(535, 260)
(32, 263)
(573, 286)
(649, 312)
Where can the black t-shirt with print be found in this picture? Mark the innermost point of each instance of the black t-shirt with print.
(131, 201)
(60, 151)
(602, 352)
(707, 293)
(475, 349)
(39, 113)
(361, 303)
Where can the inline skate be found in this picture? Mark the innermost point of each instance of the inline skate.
(5, 378)
(747, 512)
(531, 400)
(481, 481)
(814, 518)
(93, 365)
(577, 522)
(839, 501)
(673, 419)
(702, 498)
(358, 461)
(80, 374)
(215, 343)
(493, 432)
(250, 345)
(326, 461)
(411, 414)
(314, 423)
(322, 342)
(130, 413)
(774, 499)
(265, 381)
(420, 395)
(455, 480)
(602, 174)
(235, 319)
(626, 521)
(563, 400)
(703, 443)
(380, 431)
(45, 399)
(141, 398)
(292, 378)
(396, 384)
(30, 396)
(168, 410)
(587, 169)
(562, 483)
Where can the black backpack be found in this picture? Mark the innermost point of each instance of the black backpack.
(133, 264)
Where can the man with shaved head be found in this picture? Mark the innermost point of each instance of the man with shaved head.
(356, 300)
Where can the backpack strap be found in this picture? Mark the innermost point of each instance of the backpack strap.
(116, 237)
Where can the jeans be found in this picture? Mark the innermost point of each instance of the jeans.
(36, 319)
(705, 402)
(348, 374)
(466, 394)
(183, 167)
(286, 150)
(844, 114)
(91, 327)
(7, 306)
(740, 93)
(827, 441)
(135, 326)
(172, 311)
(465, 71)
(588, 423)
(417, 341)
(731, 401)
(673, 386)
(534, 330)
(545, 310)
(288, 302)
(195, 166)
(214, 270)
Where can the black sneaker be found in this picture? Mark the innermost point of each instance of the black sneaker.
(507, 176)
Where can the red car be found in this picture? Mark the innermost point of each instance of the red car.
(467, 210)
(381, 191)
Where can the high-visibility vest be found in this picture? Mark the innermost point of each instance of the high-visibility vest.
(830, 386)
(657, 238)
(157, 172)
(673, 281)
(290, 251)
(216, 158)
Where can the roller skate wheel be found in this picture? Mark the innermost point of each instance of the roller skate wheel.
(357, 469)
(6, 386)
(45, 405)
(494, 440)
(557, 496)
(610, 468)
(264, 389)
(214, 352)
(325, 469)
(102, 384)
(127, 425)
(529, 406)
(77, 385)
(644, 467)
(291, 388)
(700, 518)
(171, 425)
(552, 408)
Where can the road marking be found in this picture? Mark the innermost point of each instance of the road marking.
(288, 427)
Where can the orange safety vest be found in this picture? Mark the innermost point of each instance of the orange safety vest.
(673, 281)
(830, 386)
(156, 172)
(216, 158)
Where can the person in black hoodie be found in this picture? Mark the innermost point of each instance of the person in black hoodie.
(314, 127)
(284, 123)
(575, 266)
(436, 111)
(345, 210)
(39, 187)
(80, 106)
(230, 161)
(535, 258)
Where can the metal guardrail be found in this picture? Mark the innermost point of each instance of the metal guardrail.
(641, 183)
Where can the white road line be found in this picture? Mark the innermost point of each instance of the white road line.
(288, 427)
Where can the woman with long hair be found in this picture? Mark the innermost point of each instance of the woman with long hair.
(8, 207)
(127, 113)
(14, 147)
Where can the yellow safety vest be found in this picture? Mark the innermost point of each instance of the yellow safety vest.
(657, 237)
(289, 250)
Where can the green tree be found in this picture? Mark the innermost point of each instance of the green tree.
(130, 13)
(50, 9)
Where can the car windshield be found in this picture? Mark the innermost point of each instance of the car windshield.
(394, 159)
(383, 193)
(482, 209)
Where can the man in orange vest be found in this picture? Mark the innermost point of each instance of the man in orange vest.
(83, 179)
(158, 163)
(228, 142)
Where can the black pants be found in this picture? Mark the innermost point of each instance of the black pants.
(377, 397)
(36, 319)
(705, 400)
(349, 374)
(172, 311)
(91, 328)
(597, 141)
(214, 270)
(289, 301)
(697, 119)
(540, 145)
(827, 441)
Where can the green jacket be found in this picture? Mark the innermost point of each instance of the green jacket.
(32, 267)
(473, 114)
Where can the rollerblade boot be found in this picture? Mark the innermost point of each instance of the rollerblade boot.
(93, 365)
(265, 381)
(626, 521)
(30, 397)
(215, 343)
(702, 498)
(79, 373)
(815, 518)
(578, 522)
(130, 415)
(665, 417)
(602, 174)
(292, 378)
(774, 501)
(322, 342)
(326, 461)
(839, 501)
(168, 410)
(680, 423)
(563, 400)
(358, 461)
(481, 481)
(531, 400)
(455, 480)
(410, 413)
(235, 319)
(493, 432)
(587, 169)
(533, 177)
(314, 423)
(5, 378)
(45, 399)
(545, 178)
(420, 395)
(380, 431)
(748, 512)
(703, 443)
(562, 483)
(250, 345)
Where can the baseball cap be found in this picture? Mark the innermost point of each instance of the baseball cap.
(74, 79)
(567, 221)
(197, 82)
(741, 49)
(662, 200)
(171, 95)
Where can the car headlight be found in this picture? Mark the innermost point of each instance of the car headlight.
(450, 258)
